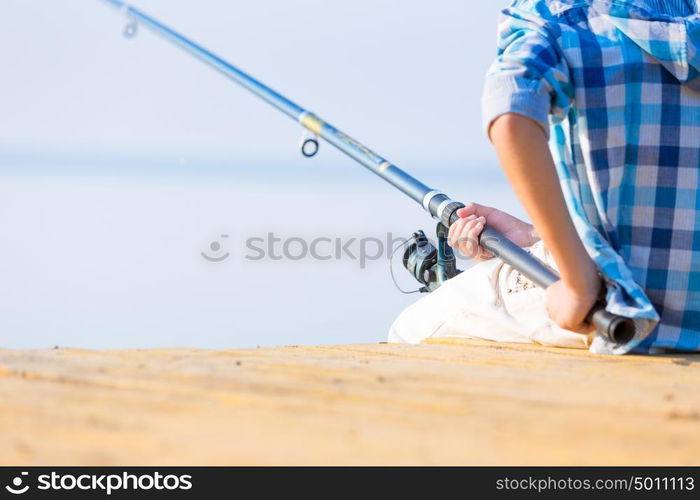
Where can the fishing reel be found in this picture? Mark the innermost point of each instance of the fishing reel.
(429, 264)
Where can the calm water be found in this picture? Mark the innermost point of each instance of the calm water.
(108, 253)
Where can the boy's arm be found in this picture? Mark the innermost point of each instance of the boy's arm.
(521, 144)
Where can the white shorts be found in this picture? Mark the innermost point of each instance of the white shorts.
(491, 301)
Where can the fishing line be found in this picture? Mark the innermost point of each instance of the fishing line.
(401, 246)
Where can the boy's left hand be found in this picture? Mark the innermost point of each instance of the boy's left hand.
(464, 233)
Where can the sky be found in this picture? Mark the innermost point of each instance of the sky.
(124, 162)
(403, 76)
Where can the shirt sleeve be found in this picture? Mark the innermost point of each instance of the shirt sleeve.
(530, 75)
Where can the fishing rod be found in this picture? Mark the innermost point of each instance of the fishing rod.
(431, 266)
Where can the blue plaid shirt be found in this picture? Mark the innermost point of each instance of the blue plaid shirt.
(617, 85)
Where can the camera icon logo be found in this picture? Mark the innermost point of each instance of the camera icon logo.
(16, 487)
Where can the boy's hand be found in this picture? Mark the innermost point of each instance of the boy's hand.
(464, 234)
(523, 149)
(569, 304)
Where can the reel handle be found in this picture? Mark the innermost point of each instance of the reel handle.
(617, 329)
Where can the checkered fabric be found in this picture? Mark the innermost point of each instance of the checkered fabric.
(616, 83)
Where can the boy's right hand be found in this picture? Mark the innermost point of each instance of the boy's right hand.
(464, 234)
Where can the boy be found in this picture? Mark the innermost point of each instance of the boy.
(593, 107)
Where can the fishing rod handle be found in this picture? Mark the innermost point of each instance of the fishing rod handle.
(618, 329)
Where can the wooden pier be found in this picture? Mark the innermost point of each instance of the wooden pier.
(454, 402)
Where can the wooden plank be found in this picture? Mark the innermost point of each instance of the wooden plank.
(454, 402)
